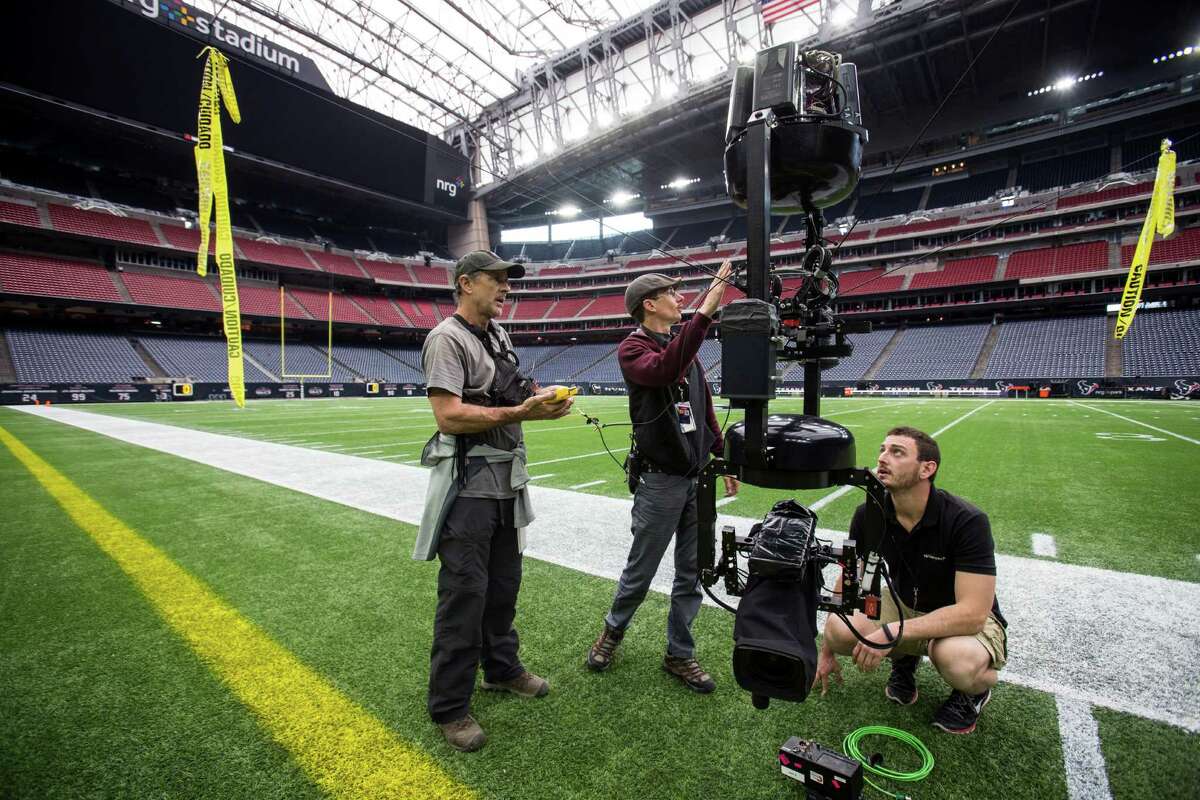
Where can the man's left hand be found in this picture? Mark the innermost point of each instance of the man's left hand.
(731, 485)
(868, 658)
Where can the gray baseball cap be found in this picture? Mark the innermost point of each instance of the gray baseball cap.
(487, 261)
(647, 285)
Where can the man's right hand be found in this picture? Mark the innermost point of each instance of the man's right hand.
(716, 289)
(539, 407)
(827, 667)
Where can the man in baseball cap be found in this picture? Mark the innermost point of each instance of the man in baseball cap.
(675, 431)
(485, 261)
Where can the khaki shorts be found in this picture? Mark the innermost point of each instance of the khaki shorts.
(993, 637)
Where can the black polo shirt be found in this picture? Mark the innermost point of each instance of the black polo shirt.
(952, 536)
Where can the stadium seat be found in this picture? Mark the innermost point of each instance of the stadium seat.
(1049, 348)
(1163, 343)
(934, 352)
(171, 291)
(957, 272)
(101, 225)
(56, 277)
(68, 356)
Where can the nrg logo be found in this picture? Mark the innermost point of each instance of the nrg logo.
(450, 187)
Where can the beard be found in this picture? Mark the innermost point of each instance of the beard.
(903, 481)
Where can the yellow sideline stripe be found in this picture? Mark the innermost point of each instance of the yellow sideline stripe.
(340, 746)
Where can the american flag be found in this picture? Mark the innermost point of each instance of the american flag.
(775, 10)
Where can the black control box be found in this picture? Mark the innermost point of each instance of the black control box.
(825, 773)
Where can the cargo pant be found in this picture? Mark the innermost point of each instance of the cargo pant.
(664, 506)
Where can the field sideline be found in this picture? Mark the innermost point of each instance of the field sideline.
(321, 579)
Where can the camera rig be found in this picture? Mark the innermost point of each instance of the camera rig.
(794, 139)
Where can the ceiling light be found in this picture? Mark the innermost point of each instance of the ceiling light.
(621, 198)
(679, 183)
(1187, 51)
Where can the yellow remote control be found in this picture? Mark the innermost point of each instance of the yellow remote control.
(563, 392)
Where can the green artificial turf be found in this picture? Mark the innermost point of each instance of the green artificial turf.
(1148, 759)
(1054, 467)
(99, 698)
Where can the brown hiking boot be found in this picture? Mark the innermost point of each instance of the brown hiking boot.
(688, 670)
(526, 685)
(464, 734)
(600, 656)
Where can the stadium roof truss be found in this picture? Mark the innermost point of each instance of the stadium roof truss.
(512, 81)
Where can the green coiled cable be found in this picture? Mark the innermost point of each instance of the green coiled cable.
(850, 747)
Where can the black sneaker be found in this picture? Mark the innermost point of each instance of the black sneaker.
(902, 684)
(960, 712)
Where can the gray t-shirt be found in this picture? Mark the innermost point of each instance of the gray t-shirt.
(454, 360)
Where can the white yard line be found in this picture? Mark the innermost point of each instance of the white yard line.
(1087, 776)
(597, 483)
(542, 477)
(1044, 545)
(945, 428)
(576, 458)
(724, 501)
(1072, 628)
(820, 503)
(1137, 422)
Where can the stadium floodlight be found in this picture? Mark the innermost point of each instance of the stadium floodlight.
(679, 183)
(567, 211)
(621, 198)
(1063, 84)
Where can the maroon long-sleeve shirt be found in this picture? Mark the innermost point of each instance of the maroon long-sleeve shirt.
(646, 362)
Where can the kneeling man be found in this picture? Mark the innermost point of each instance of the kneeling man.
(942, 561)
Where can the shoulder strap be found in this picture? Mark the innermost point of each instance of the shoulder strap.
(479, 334)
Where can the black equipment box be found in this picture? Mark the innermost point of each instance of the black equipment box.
(825, 773)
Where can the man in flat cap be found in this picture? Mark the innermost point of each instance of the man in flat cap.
(675, 431)
(477, 506)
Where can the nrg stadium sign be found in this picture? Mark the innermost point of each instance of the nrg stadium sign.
(180, 15)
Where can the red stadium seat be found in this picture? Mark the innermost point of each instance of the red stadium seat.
(332, 262)
(317, 304)
(101, 225)
(271, 253)
(957, 272)
(171, 291)
(56, 277)
(20, 214)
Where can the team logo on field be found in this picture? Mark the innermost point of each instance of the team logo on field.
(1003, 386)
(934, 386)
(1087, 388)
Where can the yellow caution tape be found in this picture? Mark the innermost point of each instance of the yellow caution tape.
(1159, 219)
(217, 86)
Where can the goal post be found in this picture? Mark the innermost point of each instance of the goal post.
(283, 373)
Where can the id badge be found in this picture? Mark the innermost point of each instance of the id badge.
(687, 422)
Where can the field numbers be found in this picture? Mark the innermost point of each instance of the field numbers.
(1130, 437)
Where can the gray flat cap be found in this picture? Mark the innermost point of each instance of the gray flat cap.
(647, 285)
